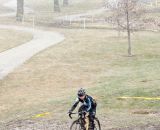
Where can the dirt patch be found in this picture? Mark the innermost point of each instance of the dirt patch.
(51, 124)
(147, 127)
(144, 112)
(41, 124)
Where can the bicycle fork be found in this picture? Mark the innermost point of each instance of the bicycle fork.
(87, 123)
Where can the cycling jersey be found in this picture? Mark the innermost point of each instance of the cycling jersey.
(88, 102)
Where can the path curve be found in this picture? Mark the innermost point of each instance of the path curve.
(80, 17)
(12, 58)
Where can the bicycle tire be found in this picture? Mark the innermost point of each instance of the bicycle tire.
(75, 123)
(98, 122)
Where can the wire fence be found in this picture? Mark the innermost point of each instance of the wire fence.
(67, 20)
(49, 18)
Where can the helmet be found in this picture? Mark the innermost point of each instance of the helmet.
(81, 92)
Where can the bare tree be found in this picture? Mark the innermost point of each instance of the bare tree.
(115, 14)
(127, 10)
(126, 14)
(20, 10)
(65, 2)
(56, 6)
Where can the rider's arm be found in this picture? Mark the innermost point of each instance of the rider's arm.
(89, 104)
(74, 105)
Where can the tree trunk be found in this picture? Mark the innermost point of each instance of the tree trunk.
(20, 10)
(156, 3)
(119, 29)
(56, 6)
(65, 2)
(129, 42)
(128, 32)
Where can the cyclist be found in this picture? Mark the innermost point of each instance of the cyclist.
(88, 106)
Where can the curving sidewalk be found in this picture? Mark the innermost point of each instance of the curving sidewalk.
(80, 17)
(12, 58)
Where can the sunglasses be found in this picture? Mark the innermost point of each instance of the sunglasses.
(79, 95)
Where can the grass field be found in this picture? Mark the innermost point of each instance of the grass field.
(96, 59)
(93, 58)
(11, 38)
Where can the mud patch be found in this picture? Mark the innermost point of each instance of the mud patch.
(147, 127)
(42, 124)
(144, 112)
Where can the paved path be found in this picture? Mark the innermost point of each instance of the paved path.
(13, 58)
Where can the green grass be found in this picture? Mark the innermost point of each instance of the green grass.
(128, 74)
(96, 59)
(93, 58)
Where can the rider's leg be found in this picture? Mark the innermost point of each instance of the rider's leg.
(91, 119)
(81, 109)
(91, 122)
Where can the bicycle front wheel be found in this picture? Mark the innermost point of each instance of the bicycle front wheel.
(76, 126)
(97, 124)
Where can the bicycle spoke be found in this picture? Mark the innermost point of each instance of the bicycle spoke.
(76, 127)
(80, 128)
(97, 124)
(95, 128)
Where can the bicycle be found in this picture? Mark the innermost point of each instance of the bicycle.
(82, 123)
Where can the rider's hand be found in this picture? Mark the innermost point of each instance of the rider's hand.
(70, 113)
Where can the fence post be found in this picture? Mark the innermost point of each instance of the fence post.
(66, 17)
(92, 19)
(23, 19)
(33, 22)
(156, 3)
(84, 23)
(70, 20)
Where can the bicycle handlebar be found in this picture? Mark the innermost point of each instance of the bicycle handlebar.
(70, 114)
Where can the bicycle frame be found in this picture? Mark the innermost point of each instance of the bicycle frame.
(83, 121)
(81, 118)
(87, 123)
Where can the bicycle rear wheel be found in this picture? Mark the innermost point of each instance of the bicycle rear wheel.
(76, 126)
(97, 124)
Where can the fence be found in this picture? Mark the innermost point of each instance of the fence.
(88, 21)
(68, 20)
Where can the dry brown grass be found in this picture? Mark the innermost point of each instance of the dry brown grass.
(92, 58)
(11, 38)
(53, 74)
